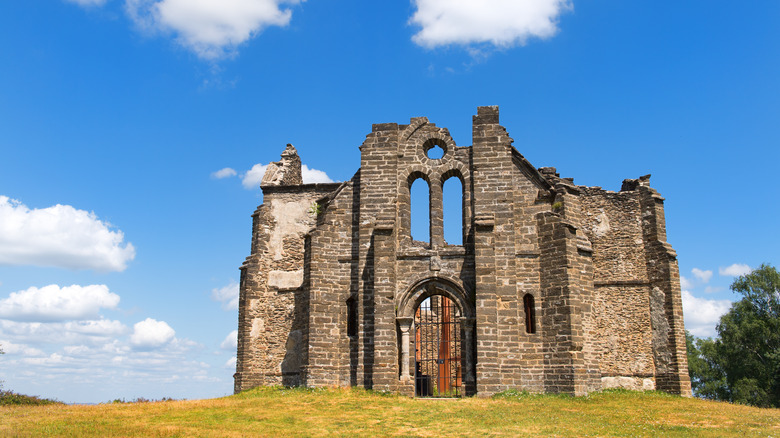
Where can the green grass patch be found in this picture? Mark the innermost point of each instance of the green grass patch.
(356, 412)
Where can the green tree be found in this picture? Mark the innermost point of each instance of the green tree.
(748, 349)
(708, 380)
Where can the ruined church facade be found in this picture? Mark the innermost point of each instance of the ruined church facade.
(555, 287)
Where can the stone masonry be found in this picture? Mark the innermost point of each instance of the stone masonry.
(559, 288)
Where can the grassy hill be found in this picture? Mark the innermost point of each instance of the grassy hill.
(301, 412)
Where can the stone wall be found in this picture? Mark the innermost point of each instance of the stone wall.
(273, 304)
(612, 223)
(334, 281)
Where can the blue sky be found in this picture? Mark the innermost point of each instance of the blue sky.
(120, 242)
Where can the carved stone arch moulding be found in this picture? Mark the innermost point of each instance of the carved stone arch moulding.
(457, 169)
(421, 140)
(415, 172)
(440, 136)
(415, 124)
(426, 285)
(430, 140)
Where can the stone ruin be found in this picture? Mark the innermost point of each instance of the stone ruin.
(555, 288)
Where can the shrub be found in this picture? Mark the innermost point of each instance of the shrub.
(8, 398)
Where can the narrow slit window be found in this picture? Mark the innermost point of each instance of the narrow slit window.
(530, 313)
(352, 317)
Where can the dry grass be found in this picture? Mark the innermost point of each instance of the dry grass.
(284, 412)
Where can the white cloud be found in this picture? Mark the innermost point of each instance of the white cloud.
(53, 303)
(311, 176)
(224, 173)
(100, 372)
(502, 23)
(227, 295)
(54, 359)
(230, 342)
(92, 360)
(702, 315)
(59, 236)
(252, 178)
(88, 3)
(685, 283)
(735, 270)
(704, 276)
(91, 332)
(151, 333)
(231, 363)
(20, 349)
(212, 29)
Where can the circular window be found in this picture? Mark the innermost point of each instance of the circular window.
(435, 149)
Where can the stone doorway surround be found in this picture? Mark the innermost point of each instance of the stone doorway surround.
(409, 303)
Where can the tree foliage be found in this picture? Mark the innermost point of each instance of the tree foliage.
(707, 378)
(743, 364)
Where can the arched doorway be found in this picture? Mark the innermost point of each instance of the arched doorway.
(435, 320)
(438, 348)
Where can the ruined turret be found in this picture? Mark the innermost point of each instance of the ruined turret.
(286, 172)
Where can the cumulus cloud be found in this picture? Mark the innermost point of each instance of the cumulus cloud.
(224, 173)
(53, 303)
(230, 342)
(704, 276)
(95, 359)
(227, 295)
(702, 315)
(501, 23)
(735, 270)
(59, 236)
(251, 178)
(212, 29)
(150, 333)
(685, 283)
(231, 363)
(312, 176)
